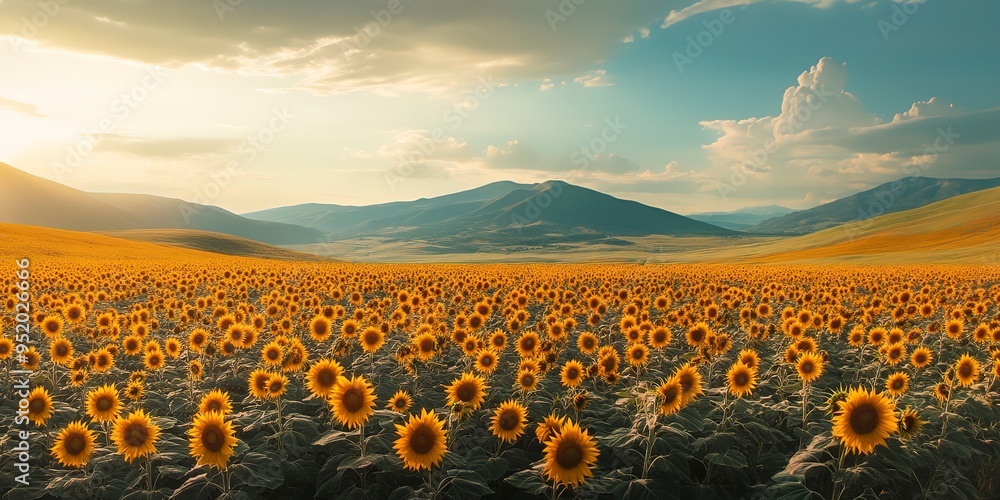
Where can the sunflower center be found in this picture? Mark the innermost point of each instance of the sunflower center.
(399, 403)
(569, 455)
(275, 386)
(426, 345)
(588, 343)
(908, 422)
(528, 344)
(528, 380)
(61, 350)
(465, 392)
(807, 367)
(686, 381)
(136, 435)
(670, 394)
(214, 406)
(211, 438)
(103, 404)
(638, 354)
(659, 336)
(352, 400)
(75, 445)
(272, 354)
(572, 373)
(965, 370)
(486, 361)
(325, 378)
(422, 440)
(371, 338)
(741, 379)
(509, 420)
(897, 384)
(864, 419)
(36, 405)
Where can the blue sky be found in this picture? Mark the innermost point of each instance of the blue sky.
(263, 105)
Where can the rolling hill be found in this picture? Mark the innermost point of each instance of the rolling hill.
(503, 213)
(891, 197)
(743, 218)
(962, 229)
(212, 242)
(30, 200)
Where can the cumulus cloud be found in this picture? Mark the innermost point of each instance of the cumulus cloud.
(597, 78)
(513, 155)
(824, 140)
(331, 47)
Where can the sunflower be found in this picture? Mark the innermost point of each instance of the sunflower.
(809, 367)
(215, 400)
(742, 379)
(78, 378)
(897, 384)
(103, 404)
(153, 360)
(486, 361)
(400, 402)
(967, 370)
(660, 337)
(572, 373)
(527, 344)
(31, 359)
(468, 391)
(61, 351)
(587, 343)
(865, 420)
(132, 345)
(697, 334)
(172, 347)
(197, 339)
(211, 439)
(323, 376)
(689, 379)
(349, 329)
(135, 391)
(276, 385)
(425, 345)
(922, 357)
(39, 406)
(637, 354)
(549, 426)
(6, 348)
(498, 341)
(509, 420)
(352, 401)
(857, 336)
(73, 445)
(894, 353)
(942, 391)
(954, 328)
(750, 358)
(320, 328)
(135, 435)
(52, 326)
(422, 441)
(527, 380)
(570, 454)
(910, 424)
(258, 383)
(372, 339)
(272, 353)
(195, 369)
(876, 336)
(670, 396)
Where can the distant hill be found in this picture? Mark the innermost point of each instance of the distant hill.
(502, 213)
(212, 242)
(743, 218)
(30, 200)
(891, 197)
(962, 229)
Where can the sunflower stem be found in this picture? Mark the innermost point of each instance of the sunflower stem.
(226, 485)
(838, 485)
(149, 471)
(281, 426)
(805, 405)
(649, 446)
(361, 439)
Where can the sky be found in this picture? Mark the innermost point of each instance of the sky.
(689, 105)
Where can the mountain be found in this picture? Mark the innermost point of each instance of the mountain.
(502, 213)
(896, 196)
(30, 200)
(963, 229)
(743, 218)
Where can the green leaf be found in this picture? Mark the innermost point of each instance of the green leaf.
(730, 458)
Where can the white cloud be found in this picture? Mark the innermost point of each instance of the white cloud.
(597, 78)
(824, 139)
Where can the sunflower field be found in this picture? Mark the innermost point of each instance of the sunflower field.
(239, 378)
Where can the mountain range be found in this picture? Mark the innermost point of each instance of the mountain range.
(739, 220)
(500, 213)
(891, 197)
(34, 201)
